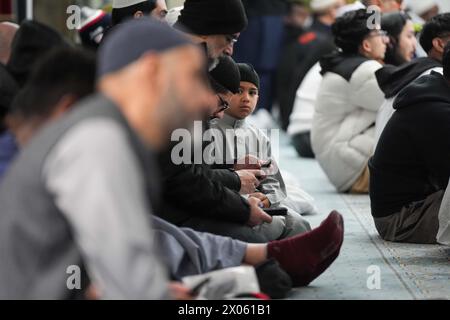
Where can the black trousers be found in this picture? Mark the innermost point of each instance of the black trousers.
(302, 143)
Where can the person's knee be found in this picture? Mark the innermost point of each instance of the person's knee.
(299, 224)
(302, 144)
(272, 231)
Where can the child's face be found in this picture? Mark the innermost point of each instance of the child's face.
(244, 103)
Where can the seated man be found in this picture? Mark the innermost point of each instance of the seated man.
(342, 133)
(208, 199)
(237, 142)
(409, 171)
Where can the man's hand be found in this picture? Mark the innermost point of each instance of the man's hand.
(262, 197)
(92, 293)
(248, 163)
(250, 180)
(257, 215)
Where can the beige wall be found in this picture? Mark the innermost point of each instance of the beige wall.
(53, 13)
(174, 3)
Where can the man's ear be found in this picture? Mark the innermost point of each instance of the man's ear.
(152, 67)
(64, 104)
(138, 14)
(150, 62)
(438, 45)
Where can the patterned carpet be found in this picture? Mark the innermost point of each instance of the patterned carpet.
(368, 267)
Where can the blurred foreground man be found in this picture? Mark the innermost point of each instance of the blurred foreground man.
(76, 195)
(64, 198)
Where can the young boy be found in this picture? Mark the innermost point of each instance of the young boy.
(240, 140)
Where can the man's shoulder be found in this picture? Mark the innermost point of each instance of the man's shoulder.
(84, 113)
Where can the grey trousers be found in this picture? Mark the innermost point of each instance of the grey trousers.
(187, 252)
(443, 236)
(416, 223)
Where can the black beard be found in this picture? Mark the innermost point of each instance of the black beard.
(212, 63)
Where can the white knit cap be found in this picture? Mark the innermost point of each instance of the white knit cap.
(420, 7)
(119, 4)
(173, 14)
(320, 5)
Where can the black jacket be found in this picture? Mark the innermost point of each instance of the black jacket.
(197, 190)
(412, 159)
(299, 54)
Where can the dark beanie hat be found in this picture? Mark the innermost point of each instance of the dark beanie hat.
(225, 77)
(31, 42)
(248, 73)
(209, 17)
(132, 39)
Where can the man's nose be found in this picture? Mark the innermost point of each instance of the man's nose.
(229, 50)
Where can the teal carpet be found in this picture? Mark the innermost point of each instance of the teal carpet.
(405, 271)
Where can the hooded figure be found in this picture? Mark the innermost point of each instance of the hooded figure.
(410, 169)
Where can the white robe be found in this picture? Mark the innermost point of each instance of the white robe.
(252, 141)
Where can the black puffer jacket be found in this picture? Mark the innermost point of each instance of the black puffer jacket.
(197, 190)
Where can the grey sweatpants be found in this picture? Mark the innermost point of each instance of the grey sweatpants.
(188, 252)
(417, 222)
